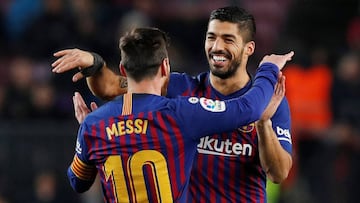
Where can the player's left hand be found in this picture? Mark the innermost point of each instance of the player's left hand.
(69, 59)
(278, 60)
(80, 108)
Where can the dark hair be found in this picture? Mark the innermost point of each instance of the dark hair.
(142, 52)
(233, 14)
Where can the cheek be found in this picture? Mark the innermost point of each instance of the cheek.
(208, 46)
(238, 54)
(238, 51)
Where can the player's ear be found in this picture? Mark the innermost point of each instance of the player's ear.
(165, 67)
(250, 48)
(122, 70)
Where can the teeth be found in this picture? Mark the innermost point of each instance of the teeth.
(219, 58)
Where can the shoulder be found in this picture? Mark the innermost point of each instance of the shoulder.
(283, 111)
(284, 106)
(183, 84)
(176, 76)
(106, 110)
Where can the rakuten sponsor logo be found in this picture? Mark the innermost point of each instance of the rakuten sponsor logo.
(218, 147)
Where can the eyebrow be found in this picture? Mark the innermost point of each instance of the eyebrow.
(223, 35)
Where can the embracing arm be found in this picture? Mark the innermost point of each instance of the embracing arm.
(81, 176)
(274, 159)
(81, 172)
(103, 83)
(106, 85)
(252, 104)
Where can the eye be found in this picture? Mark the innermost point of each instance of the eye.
(229, 40)
(210, 37)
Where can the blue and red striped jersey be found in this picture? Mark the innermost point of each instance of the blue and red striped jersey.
(235, 174)
(143, 145)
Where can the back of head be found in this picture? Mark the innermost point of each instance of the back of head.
(142, 52)
(233, 14)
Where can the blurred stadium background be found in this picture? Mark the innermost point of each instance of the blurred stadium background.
(37, 124)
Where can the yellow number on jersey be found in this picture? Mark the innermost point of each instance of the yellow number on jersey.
(114, 171)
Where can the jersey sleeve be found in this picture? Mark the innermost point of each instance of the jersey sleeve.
(205, 116)
(281, 122)
(81, 173)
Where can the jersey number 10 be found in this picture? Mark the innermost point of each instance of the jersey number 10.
(137, 191)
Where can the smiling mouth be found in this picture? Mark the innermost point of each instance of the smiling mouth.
(218, 60)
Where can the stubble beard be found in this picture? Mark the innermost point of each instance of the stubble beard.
(230, 72)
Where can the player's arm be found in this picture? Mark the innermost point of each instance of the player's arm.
(240, 111)
(102, 80)
(81, 173)
(274, 159)
(106, 85)
(81, 176)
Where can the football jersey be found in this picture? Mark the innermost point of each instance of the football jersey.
(227, 166)
(143, 145)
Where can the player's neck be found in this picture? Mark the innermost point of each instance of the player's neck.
(232, 84)
(144, 87)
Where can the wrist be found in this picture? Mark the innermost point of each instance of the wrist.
(97, 65)
(262, 123)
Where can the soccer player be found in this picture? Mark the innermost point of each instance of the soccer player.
(143, 145)
(235, 175)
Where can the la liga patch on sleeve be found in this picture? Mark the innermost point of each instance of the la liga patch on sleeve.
(212, 105)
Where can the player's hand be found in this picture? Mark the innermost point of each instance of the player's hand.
(80, 108)
(279, 60)
(279, 93)
(69, 59)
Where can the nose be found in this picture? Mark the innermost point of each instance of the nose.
(218, 45)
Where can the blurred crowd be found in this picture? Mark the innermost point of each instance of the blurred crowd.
(323, 80)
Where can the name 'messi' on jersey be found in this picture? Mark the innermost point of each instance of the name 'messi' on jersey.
(124, 127)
